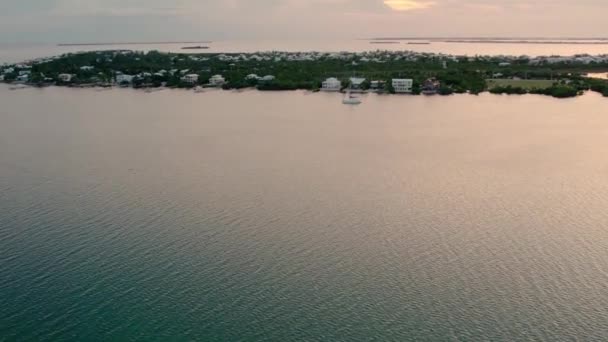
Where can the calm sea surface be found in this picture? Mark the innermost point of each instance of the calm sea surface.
(13, 53)
(250, 216)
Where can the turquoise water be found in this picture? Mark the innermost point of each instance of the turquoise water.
(252, 216)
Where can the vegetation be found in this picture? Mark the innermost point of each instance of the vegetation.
(307, 71)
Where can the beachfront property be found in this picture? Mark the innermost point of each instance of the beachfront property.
(87, 68)
(124, 79)
(217, 80)
(504, 64)
(190, 78)
(431, 86)
(23, 78)
(331, 84)
(9, 71)
(65, 77)
(356, 83)
(402, 85)
(377, 86)
(267, 78)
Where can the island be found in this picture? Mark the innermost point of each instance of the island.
(391, 72)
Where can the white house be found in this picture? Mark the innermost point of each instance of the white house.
(217, 80)
(65, 77)
(1, 78)
(356, 82)
(377, 85)
(504, 64)
(267, 78)
(87, 68)
(403, 85)
(331, 84)
(23, 78)
(122, 78)
(252, 77)
(9, 71)
(190, 78)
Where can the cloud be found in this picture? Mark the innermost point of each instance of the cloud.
(407, 5)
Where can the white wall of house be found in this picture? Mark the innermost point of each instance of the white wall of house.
(403, 85)
(331, 84)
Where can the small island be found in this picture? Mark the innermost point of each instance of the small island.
(394, 72)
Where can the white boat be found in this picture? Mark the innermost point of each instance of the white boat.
(350, 99)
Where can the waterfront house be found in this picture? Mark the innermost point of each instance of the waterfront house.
(9, 71)
(504, 64)
(356, 83)
(377, 86)
(65, 77)
(190, 78)
(23, 78)
(267, 78)
(402, 85)
(252, 77)
(331, 84)
(87, 68)
(431, 86)
(1, 78)
(217, 80)
(124, 79)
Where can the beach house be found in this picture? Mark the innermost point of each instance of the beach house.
(356, 83)
(402, 85)
(190, 79)
(124, 79)
(331, 84)
(217, 80)
(65, 77)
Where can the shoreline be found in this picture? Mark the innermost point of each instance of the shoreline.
(393, 72)
(339, 94)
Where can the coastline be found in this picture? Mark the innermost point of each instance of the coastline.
(390, 72)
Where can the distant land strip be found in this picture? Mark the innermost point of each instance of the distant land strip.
(493, 39)
(132, 43)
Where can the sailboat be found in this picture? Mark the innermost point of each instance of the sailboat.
(350, 99)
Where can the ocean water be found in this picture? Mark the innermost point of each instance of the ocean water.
(14, 53)
(250, 216)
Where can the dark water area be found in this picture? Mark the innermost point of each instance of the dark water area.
(250, 216)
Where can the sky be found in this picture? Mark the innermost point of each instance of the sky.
(61, 21)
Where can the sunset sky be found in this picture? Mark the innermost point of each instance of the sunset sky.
(96, 20)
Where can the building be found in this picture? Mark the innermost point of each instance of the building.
(431, 86)
(331, 84)
(504, 64)
(356, 83)
(190, 78)
(217, 80)
(377, 86)
(403, 85)
(122, 78)
(252, 77)
(23, 78)
(267, 78)
(65, 78)
(87, 68)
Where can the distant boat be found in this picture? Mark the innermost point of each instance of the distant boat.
(198, 47)
(350, 99)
